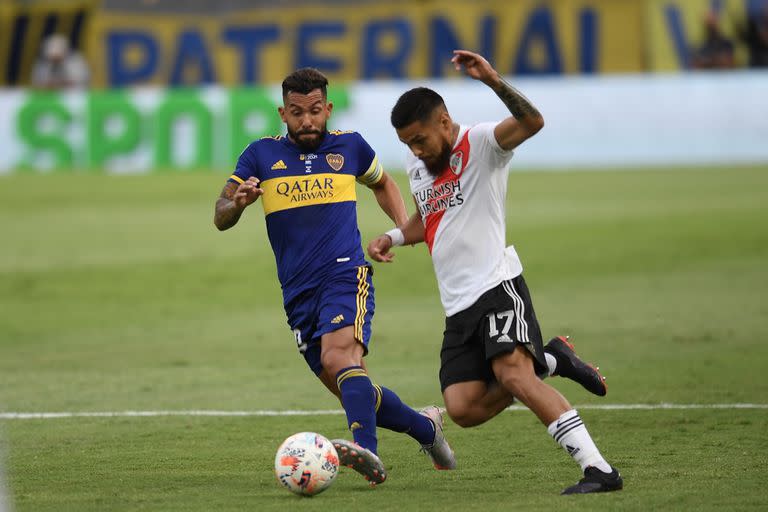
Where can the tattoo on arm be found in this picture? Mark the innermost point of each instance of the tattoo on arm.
(228, 192)
(515, 101)
(227, 214)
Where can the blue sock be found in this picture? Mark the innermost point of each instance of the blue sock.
(393, 414)
(359, 401)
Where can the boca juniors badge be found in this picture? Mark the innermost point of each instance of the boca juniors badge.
(335, 160)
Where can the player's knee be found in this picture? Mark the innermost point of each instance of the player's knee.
(515, 378)
(335, 359)
(515, 373)
(512, 380)
(459, 415)
(340, 350)
(462, 413)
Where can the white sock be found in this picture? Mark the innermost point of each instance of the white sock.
(569, 431)
(551, 363)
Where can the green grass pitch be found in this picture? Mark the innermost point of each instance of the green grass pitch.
(117, 293)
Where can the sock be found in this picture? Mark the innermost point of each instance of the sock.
(393, 414)
(569, 431)
(551, 363)
(359, 399)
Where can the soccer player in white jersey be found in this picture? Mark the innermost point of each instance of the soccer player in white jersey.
(492, 349)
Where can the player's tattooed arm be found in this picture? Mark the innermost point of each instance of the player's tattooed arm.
(227, 214)
(526, 120)
(516, 102)
(233, 200)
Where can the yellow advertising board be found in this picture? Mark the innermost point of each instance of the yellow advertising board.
(393, 40)
(388, 40)
(676, 28)
(25, 25)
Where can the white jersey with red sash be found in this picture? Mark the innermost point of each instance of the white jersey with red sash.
(463, 210)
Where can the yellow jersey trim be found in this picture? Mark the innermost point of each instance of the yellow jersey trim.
(237, 179)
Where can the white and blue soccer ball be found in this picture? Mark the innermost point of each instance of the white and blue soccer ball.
(306, 463)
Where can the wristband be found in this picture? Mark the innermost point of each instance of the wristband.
(397, 236)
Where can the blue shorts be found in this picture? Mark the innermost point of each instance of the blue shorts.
(342, 298)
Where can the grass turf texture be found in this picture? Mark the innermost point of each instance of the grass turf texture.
(118, 293)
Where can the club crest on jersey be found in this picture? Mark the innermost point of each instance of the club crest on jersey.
(456, 163)
(335, 160)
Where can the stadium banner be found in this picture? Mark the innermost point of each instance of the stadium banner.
(676, 28)
(141, 130)
(609, 121)
(387, 40)
(25, 25)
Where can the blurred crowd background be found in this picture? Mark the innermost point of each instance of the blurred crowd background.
(158, 85)
(118, 43)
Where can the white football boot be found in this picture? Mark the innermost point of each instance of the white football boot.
(439, 451)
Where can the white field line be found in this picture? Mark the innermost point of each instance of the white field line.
(326, 412)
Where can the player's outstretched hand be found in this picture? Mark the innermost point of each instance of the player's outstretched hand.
(474, 64)
(379, 249)
(248, 192)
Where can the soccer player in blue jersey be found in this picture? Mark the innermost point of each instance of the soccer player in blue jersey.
(307, 184)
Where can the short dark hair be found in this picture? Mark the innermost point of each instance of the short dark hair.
(415, 105)
(304, 81)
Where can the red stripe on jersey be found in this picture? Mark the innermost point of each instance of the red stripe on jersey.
(452, 172)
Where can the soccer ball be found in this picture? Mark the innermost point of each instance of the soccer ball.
(306, 463)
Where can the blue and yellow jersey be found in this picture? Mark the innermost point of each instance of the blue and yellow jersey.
(310, 203)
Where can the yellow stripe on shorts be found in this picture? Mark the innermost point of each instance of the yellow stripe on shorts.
(362, 301)
(378, 391)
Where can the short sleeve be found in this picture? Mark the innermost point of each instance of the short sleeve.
(245, 167)
(482, 138)
(370, 170)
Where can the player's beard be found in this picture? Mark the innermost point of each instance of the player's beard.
(308, 145)
(437, 165)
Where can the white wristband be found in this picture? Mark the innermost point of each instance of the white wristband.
(397, 236)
